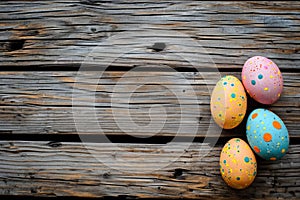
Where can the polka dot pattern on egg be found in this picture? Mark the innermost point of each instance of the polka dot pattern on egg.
(238, 165)
(228, 102)
(267, 134)
(262, 79)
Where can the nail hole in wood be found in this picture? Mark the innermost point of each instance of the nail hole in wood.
(106, 175)
(158, 46)
(33, 190)
(93, 29)
(177, 173)
(14, 45)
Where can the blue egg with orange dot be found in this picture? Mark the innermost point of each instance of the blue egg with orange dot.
(267, 134)
(238, 165)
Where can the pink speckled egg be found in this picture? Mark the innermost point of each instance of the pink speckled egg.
(262, 79)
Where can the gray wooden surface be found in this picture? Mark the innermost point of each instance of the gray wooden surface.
(38, 169)
(41, 102)
(62, 33)
(43, 44)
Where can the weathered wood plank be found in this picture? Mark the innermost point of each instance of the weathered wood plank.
(41, 102)
(62, 33)
(68, 169)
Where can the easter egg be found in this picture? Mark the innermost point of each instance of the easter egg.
(267, 134)
(238, 165)
(262, 79)
(228, 102)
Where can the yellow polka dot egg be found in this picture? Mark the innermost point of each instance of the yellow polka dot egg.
(238, 165)
(267, 134)
(228, 102)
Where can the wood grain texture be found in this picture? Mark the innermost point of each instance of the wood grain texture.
(60, 35)
(68, 169)
(63, 33)
(41, 103)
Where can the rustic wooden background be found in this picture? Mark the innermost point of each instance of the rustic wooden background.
(43, 43)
